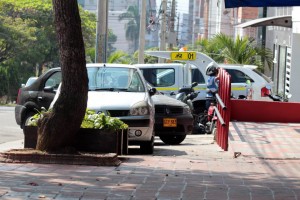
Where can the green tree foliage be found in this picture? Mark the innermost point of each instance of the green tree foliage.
(147, 59)
(132, 27)
(28, 43)
(120, 57)
(223, 48)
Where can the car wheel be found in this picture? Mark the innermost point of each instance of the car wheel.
(147, 147)
(27, 116)
(172, 139)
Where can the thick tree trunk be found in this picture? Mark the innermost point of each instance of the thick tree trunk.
(57, 130)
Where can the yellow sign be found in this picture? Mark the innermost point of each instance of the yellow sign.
(183, 55)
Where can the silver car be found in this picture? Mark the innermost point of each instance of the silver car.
(121, 91)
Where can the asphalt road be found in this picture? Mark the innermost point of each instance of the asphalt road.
(9, 130)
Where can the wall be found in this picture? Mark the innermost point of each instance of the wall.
(264, 111)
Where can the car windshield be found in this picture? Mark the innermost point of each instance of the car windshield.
(115, 79)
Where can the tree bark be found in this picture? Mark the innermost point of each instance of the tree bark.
(56, 130)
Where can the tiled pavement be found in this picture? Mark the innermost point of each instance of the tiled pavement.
(268, 168)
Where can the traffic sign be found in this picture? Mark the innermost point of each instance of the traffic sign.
(183, 55)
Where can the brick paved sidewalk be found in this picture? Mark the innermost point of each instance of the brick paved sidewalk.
(265, 140)
(196, 169)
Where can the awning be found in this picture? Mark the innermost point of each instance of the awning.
(260, 3)
(285, 21)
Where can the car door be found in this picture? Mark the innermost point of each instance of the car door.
(48, 90)
(238, 82)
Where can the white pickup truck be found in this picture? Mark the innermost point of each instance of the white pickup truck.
(190, 67)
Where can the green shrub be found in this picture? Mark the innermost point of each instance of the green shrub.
(91, 120)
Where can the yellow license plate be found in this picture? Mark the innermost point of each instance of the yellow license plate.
(170, 122)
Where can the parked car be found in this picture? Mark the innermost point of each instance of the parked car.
(29, 81)
(114, 89)
(173, 119)
(39, 94)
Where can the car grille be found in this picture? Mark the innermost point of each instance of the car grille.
(118, 113)
(168, 110)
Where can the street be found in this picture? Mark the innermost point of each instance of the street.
(9, 130)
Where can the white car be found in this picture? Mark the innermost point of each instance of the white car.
(239, 76)
(121, 91)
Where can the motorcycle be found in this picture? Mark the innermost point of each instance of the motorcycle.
(186, 95)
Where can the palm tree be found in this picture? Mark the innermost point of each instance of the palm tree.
(133, 25)
(120, 57)
(223, 48)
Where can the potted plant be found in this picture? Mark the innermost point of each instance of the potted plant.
(98, 133)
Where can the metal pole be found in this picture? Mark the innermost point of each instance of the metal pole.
(172, 23)
(142, 33)
(163, 28)
(101, 31)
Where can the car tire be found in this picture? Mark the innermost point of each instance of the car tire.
(172, 139)
(147, 147)
(27, 116)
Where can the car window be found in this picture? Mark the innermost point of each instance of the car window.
(159, 77)
(115, 78)
(197, 76)
(238, 76)
(30, 81)
(54, 80)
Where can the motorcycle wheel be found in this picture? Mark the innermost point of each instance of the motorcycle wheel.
(172, 139)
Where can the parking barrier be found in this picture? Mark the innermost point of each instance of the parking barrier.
(223, 108)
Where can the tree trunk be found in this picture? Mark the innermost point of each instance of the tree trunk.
(56, 131)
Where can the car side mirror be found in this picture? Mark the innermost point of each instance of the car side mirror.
(152, 91)
(48, 89)
(22, 85)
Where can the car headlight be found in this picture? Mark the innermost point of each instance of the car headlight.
(140, 108)
(186, 110)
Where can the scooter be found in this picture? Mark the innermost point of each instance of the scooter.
(186, 95)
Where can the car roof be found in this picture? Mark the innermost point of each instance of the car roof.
(158, 64)
(237, 66)
(102, 64)
(109, 65)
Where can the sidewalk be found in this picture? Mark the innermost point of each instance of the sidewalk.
(196, 169)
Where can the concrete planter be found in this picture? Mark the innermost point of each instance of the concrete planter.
(88, 140)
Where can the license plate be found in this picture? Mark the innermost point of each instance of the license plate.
(170, 122)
